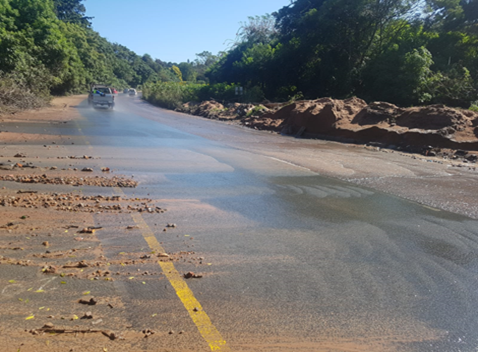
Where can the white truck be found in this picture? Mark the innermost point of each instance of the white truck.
(101, 97)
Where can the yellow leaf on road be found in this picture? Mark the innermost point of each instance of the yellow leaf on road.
(30, 317)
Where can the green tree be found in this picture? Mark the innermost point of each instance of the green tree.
(256, 65)
(72, 11)
(188, 73)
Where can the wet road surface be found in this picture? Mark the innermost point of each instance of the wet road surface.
(299, 261)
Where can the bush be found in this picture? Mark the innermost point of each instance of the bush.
(170, 95)
(15, 95)
(454, 88)
(253, 95)
(474, 106)
(219, 91)
(224, 93)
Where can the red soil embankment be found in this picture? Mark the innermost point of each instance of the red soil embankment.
(352, 119)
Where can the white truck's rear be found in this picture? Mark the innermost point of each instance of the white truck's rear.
(102, 97)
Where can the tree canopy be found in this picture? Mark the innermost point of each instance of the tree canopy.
(403, 51)
(49, 46)
(72, 11)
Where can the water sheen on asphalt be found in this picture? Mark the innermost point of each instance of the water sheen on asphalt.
(299, 261)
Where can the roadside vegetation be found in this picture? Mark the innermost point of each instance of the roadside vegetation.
(406, 52)
(16, 95)
(48, 47)
(172, 95)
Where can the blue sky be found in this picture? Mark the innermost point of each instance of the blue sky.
(174, 31)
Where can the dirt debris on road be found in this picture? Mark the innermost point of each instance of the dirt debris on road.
(51, 246)
(97, 181)
(78, 203)
(75, 290)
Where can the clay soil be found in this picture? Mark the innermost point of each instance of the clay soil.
(414, 129)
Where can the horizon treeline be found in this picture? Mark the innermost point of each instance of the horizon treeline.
(407, 52)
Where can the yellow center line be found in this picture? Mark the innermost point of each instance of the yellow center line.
(202, 321)
(198, 315)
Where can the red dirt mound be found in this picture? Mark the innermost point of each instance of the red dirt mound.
(352, 119)
(316, 116)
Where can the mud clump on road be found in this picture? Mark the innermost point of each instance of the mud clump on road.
(72, 180)
(191, 275)
(78, 203)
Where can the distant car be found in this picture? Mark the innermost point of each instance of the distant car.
(126, 91)
(115, 91)
(132, 92)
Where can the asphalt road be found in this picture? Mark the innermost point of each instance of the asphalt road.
(293, 260)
